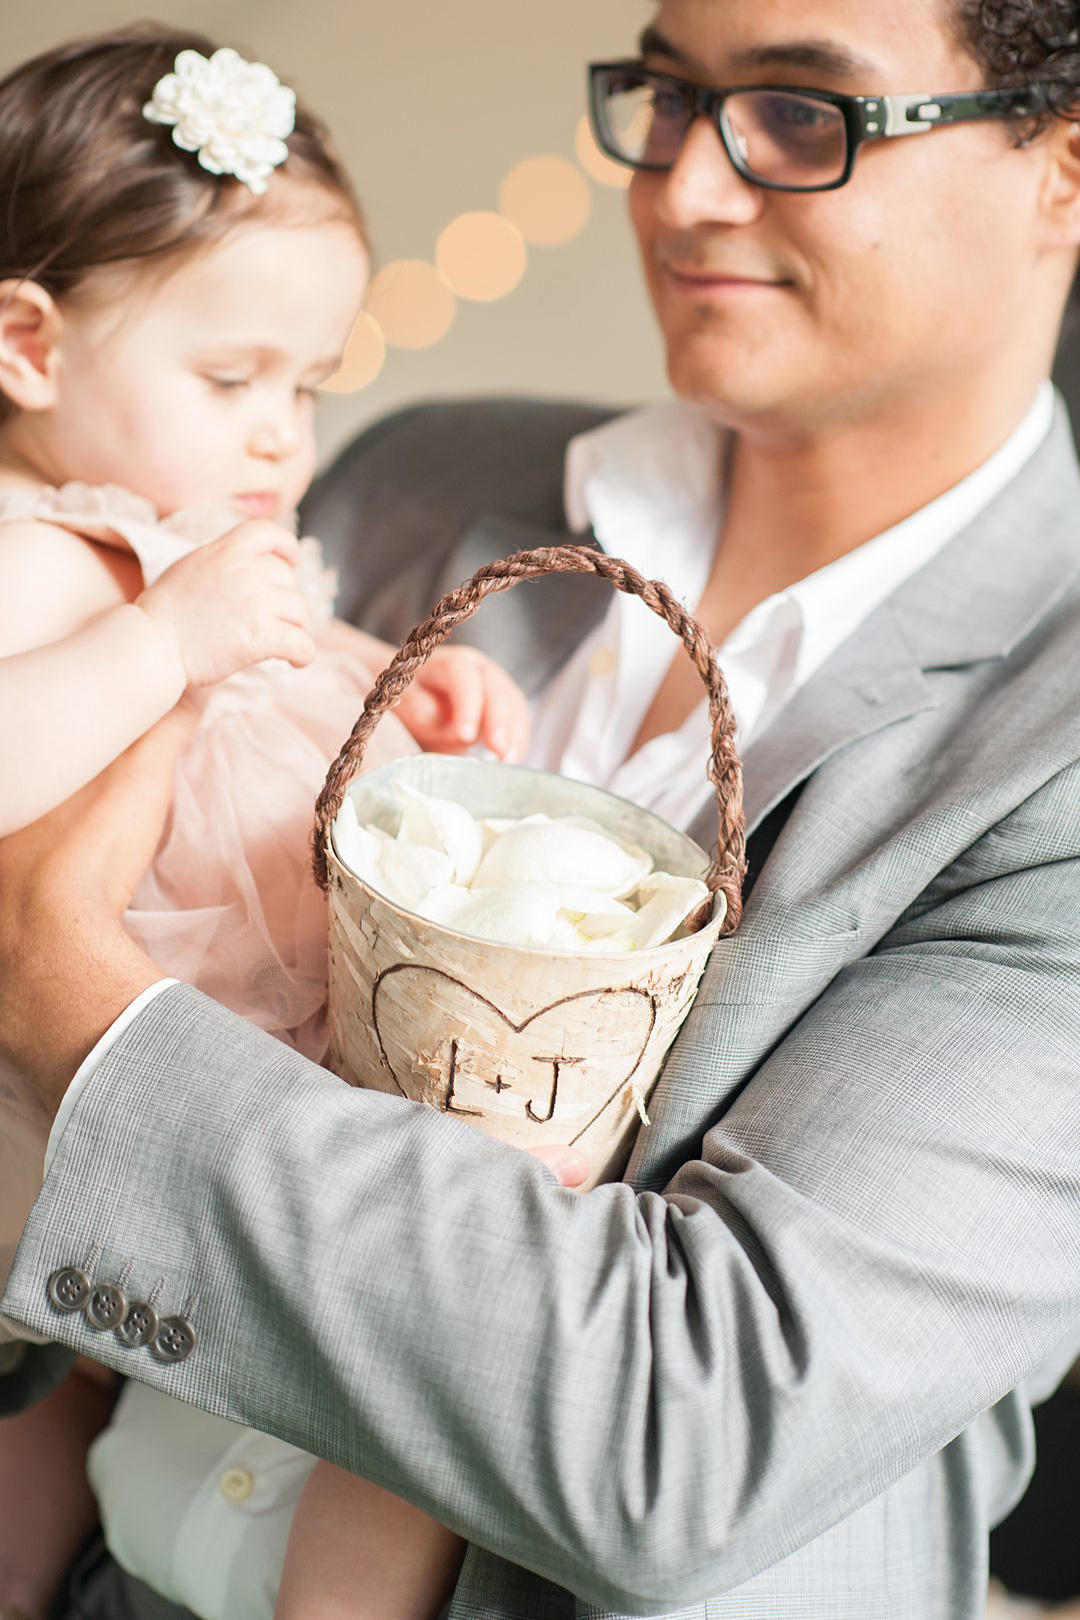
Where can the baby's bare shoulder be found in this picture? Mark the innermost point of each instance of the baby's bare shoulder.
(53, 581)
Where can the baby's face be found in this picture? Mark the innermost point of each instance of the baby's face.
(200, 387)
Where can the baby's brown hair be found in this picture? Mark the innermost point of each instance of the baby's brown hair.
(86, 181)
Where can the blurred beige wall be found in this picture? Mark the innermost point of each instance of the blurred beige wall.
(431, 104)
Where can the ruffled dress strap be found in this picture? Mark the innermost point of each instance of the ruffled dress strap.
(114, 516)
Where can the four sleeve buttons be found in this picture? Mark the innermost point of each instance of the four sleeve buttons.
(107, 1308)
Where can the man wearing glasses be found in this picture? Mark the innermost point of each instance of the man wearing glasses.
(785, 1369)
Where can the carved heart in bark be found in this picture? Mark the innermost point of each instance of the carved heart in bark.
(546, 1079)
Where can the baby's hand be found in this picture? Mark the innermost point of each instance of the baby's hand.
(461, 697)
(233, 603)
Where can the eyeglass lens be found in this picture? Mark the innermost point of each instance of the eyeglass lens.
(776, 136)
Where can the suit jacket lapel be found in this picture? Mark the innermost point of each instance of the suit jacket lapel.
(870, 682)
(976, 600)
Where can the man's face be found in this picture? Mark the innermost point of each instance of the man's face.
(797, 311)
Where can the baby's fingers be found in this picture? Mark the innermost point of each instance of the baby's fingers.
(285, 631)
(295, 644)
(460, 680)
(268, 539)
(288, 605)
(506, 726)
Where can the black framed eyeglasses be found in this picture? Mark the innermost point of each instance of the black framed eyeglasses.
(777, 136)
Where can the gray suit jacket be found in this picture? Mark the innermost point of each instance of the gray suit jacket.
(783, 1371)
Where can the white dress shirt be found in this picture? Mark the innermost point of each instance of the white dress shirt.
(650, 485)
(211, 1535)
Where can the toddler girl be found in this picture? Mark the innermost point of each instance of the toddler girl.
(181, 262)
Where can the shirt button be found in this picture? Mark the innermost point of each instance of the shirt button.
(174, 1340)
(236, 1484)
(69, 1288)
(602, 663)
(106, 1307)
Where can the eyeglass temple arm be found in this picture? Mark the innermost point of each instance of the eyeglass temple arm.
(891, 116)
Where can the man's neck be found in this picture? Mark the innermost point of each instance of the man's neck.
(797, 503)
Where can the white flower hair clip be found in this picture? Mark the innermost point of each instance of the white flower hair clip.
(234, 114)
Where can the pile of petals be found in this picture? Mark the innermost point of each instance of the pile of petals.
(557, 883)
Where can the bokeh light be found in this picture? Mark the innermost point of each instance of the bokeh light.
(597, 164)
(412, 304)
(547, 198)
(481, 256)
(364, 357)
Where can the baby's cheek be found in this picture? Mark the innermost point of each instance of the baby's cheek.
(300, 473)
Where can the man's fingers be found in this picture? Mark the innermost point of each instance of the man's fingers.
(567, 1165)
(99, 843)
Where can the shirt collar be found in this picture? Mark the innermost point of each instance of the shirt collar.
(651, 485)
(629, 475)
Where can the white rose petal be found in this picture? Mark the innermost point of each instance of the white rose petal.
(557, 853)
(357, 847)
(403, 873)
(410, 872)
(510, 917)
(440, 824)
(560, 883)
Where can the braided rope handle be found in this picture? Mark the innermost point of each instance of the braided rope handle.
(728, 866)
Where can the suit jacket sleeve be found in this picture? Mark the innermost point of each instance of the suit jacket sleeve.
(648, 1397)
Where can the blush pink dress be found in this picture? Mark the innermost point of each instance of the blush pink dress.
(229, 904)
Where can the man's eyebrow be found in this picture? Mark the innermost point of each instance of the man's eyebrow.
(652, 42)
(818, 56)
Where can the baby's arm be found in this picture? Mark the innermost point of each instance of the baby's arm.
(357, 1553)
(85, 671)
(46, 1507)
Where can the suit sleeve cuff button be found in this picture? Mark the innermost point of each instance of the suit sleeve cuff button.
(174, 1340)
(69, 1289)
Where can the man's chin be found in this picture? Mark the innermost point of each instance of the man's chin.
(765, 390)
(733, 398)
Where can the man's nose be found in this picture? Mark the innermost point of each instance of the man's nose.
(704, 186)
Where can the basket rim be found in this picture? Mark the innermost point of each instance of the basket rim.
(470, 762)
(653, 953)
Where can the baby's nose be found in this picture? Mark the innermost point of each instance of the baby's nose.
(274, 441)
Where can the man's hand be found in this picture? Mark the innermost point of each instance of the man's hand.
(567, 1165)
(67, 968)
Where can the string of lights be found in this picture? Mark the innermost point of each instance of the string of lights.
(481, 256)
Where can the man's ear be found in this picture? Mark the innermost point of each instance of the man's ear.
(29, 336)
(1061, 191)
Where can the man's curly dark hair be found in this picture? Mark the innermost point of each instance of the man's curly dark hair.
(1027, 42)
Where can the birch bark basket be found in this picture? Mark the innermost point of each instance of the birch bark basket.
(533, 1046)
